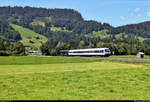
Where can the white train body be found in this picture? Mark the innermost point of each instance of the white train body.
(89, 52)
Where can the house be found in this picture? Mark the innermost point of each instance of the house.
(140, 55)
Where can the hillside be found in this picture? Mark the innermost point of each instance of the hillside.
(7, 33)
(30, 39)
(44, 21)
(140, 29)
(66, 29)
(31, 17)
(103, 34)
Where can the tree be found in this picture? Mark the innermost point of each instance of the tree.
(81, 44)
(44, 49)
(18, 49)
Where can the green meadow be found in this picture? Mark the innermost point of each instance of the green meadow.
(72, 78)
(104, 34)
(30, 38)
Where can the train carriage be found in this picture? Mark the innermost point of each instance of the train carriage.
(87, 52)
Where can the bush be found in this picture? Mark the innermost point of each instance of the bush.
(4, 53)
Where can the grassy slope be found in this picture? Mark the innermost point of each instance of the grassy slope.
(103, 34)
(84, 79)
(55, 29)
(28, 35)
(141, 39)
(37, 22)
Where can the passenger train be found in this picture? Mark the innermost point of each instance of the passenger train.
(87, 52)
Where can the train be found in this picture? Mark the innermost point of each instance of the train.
(87, 52)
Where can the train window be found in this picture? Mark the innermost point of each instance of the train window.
(79, 52)
(107, 50)
(91, 51)
(97, 51)
(101, 51)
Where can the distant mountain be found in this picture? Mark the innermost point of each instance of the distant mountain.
(42, 21)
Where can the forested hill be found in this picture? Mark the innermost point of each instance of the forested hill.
(43, 19)
(30, 13)
(141, 29)
(7, 32)
(66, 29)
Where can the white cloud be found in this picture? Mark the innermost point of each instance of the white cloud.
(148, 13)
(136, 13)
(136, 9)
(122, 17)
(138, 16)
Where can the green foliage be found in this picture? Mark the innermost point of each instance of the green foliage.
(11, 48)
(141, 29)
(81, 44)
(7, 33)
(44, 49)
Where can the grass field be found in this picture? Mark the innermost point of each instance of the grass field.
(29, 38)
(55, 29)
(64, 78)
(37, 22)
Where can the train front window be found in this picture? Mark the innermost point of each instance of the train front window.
(107, 50)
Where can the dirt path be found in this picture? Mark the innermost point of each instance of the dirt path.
(127, 59)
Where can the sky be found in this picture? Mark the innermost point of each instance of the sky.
(114, 12)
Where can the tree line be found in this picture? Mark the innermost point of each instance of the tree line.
(11, 48)
(7, 33)
(119, 47)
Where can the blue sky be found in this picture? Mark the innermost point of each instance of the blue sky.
(114, 12)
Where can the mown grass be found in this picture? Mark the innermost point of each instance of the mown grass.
(73, 79)
(25, 60)
(29, 38)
